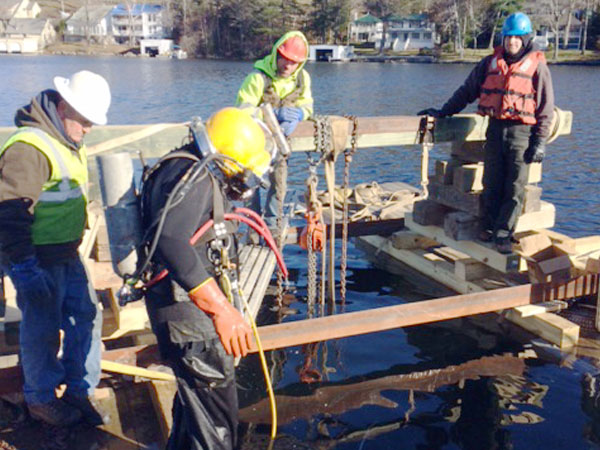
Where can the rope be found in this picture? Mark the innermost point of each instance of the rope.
(348, 154)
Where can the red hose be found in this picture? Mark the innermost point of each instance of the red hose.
(260, 227)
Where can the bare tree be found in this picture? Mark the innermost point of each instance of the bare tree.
(570, 7)
(586, 23)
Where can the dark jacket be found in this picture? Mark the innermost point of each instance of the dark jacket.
(23, 172)
(188, 265)
(544, 95)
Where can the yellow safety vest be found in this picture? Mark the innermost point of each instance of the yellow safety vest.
(60, 214)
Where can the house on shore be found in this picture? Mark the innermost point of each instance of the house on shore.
(90, 22)
(330, 53)
(397, 33)
(26, 36)
(132, 23)
(21, 31)
(18, 9)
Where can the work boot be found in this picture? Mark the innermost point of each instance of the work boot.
(55, 413)
(91, 413)
(504, 245)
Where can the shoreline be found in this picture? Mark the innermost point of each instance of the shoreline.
(133, 52)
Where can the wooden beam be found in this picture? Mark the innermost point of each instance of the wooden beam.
(126, 369)
(157, 139)
(477, 250)
(409, 314)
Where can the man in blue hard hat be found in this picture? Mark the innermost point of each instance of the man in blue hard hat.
(514, 88)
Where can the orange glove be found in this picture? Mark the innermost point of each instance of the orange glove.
(234, 332)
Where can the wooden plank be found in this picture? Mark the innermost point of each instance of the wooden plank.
(162, 394)
(468, 177)
(416, 259)
(461, 226)
(556, 329)
(540, 308)
(407, 240)
(450, 254)
(470, 269)
(477, 250)
(135, 371)
(379, 319)
(451, 197)
(540, 324)
(532, 199)
(429, 212)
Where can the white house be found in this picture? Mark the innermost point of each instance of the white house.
(366, 29)
(18, 9)
(409, 33)
(330, 52)
(26, 36)
(92, 21)
(401, 33)
(138, 22)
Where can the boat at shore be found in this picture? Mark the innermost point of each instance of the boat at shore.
(427, 230)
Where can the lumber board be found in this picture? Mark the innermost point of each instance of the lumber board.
(127, 369)
(157, 139)
(542, 324)
(550, 327)
(416, 259)
(477, 250)
(407, 240)
(162, 394)
(471, 269)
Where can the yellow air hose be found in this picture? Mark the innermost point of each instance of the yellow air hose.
(227, 288)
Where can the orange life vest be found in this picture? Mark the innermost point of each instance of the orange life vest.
(508, 92)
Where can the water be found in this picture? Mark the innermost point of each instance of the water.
(364, 397)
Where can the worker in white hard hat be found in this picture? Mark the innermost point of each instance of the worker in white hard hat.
(43, 199)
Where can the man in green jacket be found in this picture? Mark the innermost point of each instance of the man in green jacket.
(281, 80)
(43, 199)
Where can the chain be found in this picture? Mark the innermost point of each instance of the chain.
(312, 204)
(281, 188)
(348, 154)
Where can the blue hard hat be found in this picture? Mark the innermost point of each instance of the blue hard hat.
(516, 24)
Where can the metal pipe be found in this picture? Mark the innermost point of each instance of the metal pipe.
(121, 210)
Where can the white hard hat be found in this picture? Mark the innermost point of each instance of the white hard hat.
(88, 93)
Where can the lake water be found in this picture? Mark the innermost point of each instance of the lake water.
(365, 399)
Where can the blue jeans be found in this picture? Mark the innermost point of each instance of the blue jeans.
(271, 204)
(76, 312)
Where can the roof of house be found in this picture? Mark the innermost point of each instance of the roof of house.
(411, 17)
(94, 13)
(26, 26)
(136, 9)
(6, 8)
(367, 20)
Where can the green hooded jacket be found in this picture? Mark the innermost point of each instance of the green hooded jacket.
(251, 93)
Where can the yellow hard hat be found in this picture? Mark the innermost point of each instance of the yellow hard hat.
(234, 133)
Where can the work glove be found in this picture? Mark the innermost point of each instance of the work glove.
(30, 280)
(535, 152)
(289, 118)
(235, 334)
(289, 114)
(436, 113)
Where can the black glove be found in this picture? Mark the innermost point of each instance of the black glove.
(437, 113)
(535, 152)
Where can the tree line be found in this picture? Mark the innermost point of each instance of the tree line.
(247, 29)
